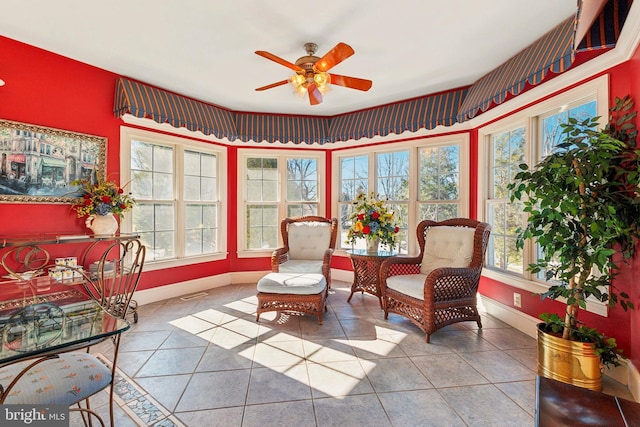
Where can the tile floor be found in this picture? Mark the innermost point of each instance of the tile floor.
(206, 362)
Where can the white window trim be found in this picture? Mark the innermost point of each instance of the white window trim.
(281, 155)
(126, 135)
(412, 146)
(599, 87)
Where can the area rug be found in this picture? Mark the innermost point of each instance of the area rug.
(137, 403)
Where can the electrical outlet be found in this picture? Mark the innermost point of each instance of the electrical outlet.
(517, 299)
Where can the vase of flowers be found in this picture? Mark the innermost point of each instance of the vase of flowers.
(373, 221)
(101, 202)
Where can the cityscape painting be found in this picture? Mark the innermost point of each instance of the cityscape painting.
(38, 164)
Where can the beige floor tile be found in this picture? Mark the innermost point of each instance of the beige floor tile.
(419, 408)
(485, 405)
(448, 370)
(211, 363)
(363, 410)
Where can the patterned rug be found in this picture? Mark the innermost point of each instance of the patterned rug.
(137, 404)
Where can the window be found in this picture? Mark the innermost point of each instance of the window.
(275, 187)
(421, 180)
(439, 182)
(525, 137)
(178, 193)
(201, 208)
(392, 177)
(507, 153)
(354, 179)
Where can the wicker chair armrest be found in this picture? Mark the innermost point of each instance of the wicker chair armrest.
(279, 256)
(326, 263)
(447, 283)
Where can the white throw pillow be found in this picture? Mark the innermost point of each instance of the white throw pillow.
(447, 246)
(309, 240)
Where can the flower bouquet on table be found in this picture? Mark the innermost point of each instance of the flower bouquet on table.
(102, 198)
(372, 220)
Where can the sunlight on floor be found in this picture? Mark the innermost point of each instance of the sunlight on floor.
(284, 353)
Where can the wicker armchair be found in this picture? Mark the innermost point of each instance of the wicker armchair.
(439, 286)
(309, 242)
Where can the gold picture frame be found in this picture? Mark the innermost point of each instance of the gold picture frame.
(38, 164)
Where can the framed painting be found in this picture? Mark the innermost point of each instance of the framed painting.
(38, 164)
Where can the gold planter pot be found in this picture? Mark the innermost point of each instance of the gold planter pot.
(567, 361)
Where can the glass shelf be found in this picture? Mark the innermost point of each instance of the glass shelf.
(60, 238)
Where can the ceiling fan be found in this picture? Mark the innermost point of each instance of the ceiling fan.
(311, 72)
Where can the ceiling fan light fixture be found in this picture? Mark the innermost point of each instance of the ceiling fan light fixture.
(298, 80)
(322, 78)
(311, 72)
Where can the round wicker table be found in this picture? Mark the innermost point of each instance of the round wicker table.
(366, 271)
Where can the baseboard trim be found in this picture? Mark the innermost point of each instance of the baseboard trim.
(148, 296)
(633, 376)
(509, 315)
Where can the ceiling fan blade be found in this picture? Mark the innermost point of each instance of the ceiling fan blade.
(279, 60)
(339, 53)
(351, 82)
(272, 85)
(315, 97)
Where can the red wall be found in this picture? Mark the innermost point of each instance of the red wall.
(633, 77)
(53, 91)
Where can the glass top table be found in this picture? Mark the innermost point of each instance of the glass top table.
(41, 316)
(366, 271)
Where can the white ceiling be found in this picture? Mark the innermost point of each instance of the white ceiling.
(205, 48)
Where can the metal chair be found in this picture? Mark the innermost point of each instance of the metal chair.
(73, 377)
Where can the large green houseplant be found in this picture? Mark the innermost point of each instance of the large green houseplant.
(583, 211)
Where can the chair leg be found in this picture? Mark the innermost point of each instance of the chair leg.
(428, 338)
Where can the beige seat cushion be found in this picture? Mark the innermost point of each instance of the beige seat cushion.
(410, 284)
(309, 240)
(301, 266)
(288, 283)
(447, 247)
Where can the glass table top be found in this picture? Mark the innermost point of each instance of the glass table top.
(38, 319)
(379, 253)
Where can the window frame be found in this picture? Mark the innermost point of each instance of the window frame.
(179, 145)
(596, 89)
(413, 146)
(282, 155)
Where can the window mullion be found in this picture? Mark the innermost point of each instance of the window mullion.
(179, 207)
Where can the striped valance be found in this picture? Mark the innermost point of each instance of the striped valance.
(605, 30)
(425, 112)
(145, 101)
(283, 128)
(552, 52)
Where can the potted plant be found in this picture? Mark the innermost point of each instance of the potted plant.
(583, 211)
